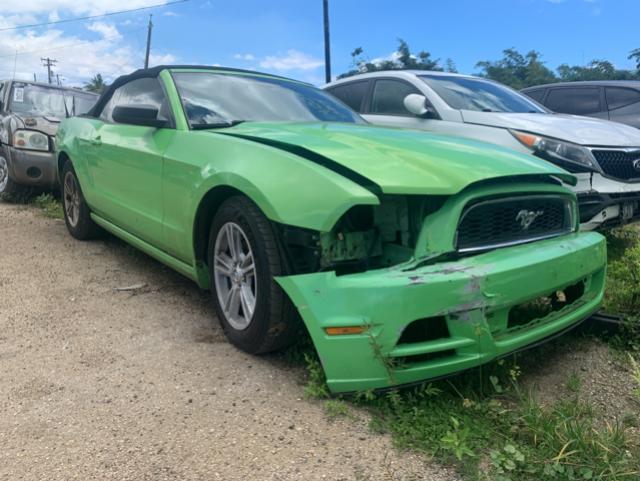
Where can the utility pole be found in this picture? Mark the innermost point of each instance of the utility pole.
(146, 57)
(48, 62)
(327, 48)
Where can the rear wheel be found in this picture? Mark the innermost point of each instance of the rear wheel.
(255, 313)
(77, 215)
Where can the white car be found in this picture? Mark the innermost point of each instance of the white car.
(603, 155)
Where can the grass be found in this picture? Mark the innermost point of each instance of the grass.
(623, 285)
(483, 423)
(48, 204)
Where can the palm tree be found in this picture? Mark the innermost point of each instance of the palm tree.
(635, 55)
(96, 84)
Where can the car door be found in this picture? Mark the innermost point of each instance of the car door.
(125, 162)
(577, 101)
(623, 105)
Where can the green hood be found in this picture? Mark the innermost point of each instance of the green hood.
(400, 161)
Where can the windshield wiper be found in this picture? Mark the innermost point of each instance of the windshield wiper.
(217, 125)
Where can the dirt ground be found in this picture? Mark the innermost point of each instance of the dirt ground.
(101, 384)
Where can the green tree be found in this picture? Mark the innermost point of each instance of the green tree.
(403, 59)
(517, 70)
(96, 84)
(635, 55)
(594, 70)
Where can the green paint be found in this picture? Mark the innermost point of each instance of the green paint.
(148, 187)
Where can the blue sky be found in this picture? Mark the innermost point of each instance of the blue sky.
(285, 36)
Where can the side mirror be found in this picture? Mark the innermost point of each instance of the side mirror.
(144, 115)
(417, 105)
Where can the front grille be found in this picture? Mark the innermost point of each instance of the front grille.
(619, 163)
(488, 224)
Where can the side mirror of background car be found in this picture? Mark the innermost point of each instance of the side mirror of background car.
(417, 105)
(144, 115)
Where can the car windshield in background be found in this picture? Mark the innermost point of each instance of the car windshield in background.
(52, 102)
(38, 100)
(216, 99)
(465, 93)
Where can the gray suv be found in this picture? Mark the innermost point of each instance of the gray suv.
(617, 100)
(30, 113)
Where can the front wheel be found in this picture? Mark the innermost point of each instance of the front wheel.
(77, 215)
(255, 313)
(7, 185)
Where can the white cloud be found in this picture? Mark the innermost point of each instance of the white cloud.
(80, 55)
(244, 56)
(87, 7)
(162, 59)
(107, 30)
(292, 60)
(169, 13)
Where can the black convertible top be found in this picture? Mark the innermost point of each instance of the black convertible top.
(153, 72)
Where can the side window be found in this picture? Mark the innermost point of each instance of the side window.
(577, 101)
(537, 95)
(388, 97)
(351, 94)
(143, 91)
(619, 97)
(107, 109)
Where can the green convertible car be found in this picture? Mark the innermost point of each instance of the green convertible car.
(407, 256)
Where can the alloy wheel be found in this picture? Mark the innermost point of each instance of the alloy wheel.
(235, 275)
(71, 199)
(4, 174)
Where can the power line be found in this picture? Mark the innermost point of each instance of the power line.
(89, 17)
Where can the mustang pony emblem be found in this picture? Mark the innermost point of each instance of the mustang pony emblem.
(526, 217)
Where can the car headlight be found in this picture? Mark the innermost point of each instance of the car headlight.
(573, 157)
(30, 139)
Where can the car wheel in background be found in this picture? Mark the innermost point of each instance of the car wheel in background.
(255, 313)
(77, 215)
(7, 185)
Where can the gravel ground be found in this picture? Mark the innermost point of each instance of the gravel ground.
(101, 384)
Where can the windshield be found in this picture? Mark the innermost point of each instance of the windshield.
(464, 93)
(52, 102)
(211, 98)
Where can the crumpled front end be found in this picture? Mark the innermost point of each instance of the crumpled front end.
(443, 310)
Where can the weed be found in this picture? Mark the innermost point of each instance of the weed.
(635, 371)
(574, 383)
(335, 408)
(317, 383)
(51, 207)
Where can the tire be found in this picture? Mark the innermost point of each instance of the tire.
(272, 323)
(7, 185)
(77, 215)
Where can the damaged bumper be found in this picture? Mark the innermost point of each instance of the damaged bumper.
(606, 203)
(30, 167)
(460, 314)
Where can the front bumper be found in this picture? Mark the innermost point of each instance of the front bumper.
(606, 203)
(474, 295)
(31, 167)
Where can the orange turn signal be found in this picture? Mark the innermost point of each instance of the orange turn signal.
(341, 331)
(527, 139)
